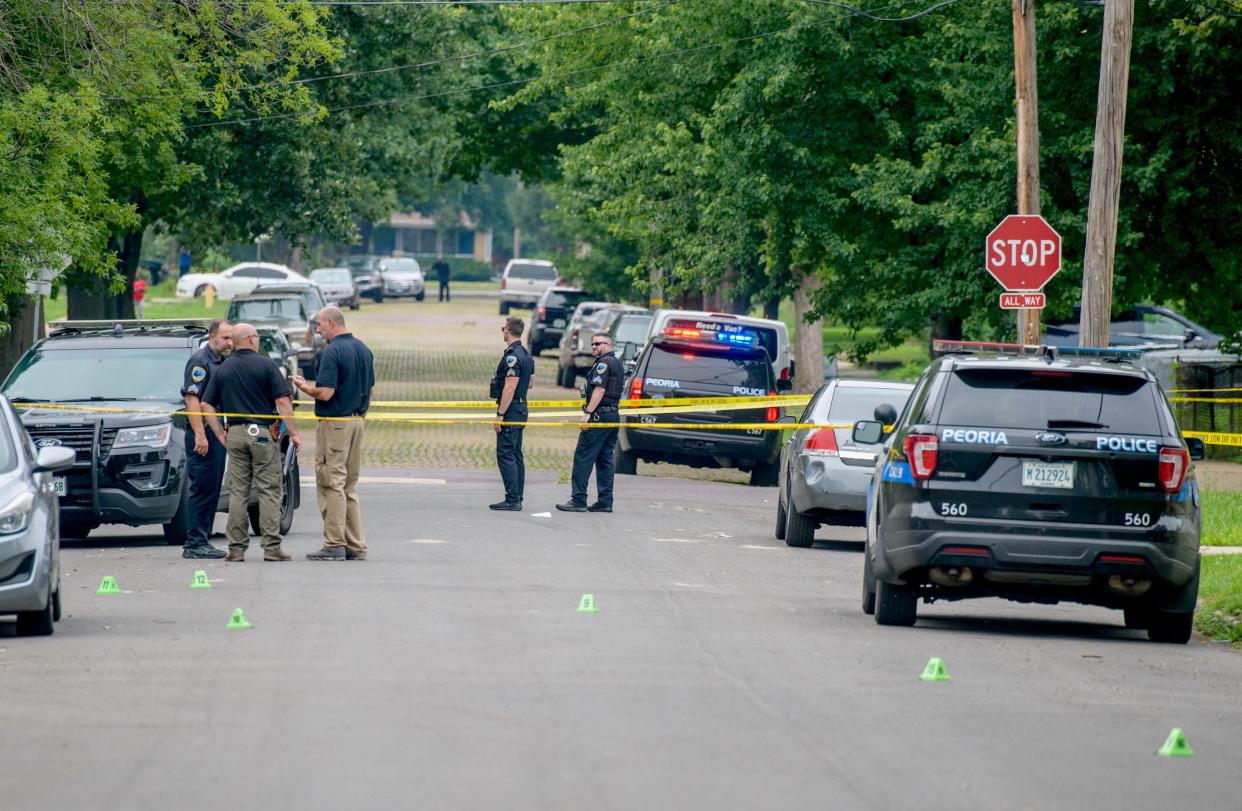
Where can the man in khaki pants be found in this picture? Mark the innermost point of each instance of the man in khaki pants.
(342, 394)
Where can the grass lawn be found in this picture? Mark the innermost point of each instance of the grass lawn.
(1222, 518)
(56, 309)
(1220, 598)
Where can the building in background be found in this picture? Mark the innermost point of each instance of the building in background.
(414, 234)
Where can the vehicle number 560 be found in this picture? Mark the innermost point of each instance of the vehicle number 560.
(952, 509)
(1138, 520)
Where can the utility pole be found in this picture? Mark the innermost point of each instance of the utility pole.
(1104, 202)
(1027, 94)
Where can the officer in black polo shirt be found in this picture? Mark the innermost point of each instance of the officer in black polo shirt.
(596, 445)
(204, 454)
(509, 387)
(250, 385)
(342, 394)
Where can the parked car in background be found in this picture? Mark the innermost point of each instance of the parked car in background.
(552, 313)
(1140, 324)
(237, 280)
(402, 276)
(274, 344)
(286, 311)
(588, 318)
(727, 329)
(523, 282)
(365, 270)
(629, 334)
(29, 525)
(337, 286)
(825, 474)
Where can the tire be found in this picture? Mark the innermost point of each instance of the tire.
(56, 604)
(421, 296)
(504, 308)
(868, 584)
(198, 291)
(1137, 618)
(252, 510)
(627, 463)
(1170, 628)
(379, 297)
(38, 623)
(355, 304)
(289, 498)
(178, 529)
(535, 348)
(765, 475)
(896, 605)
(781, 516)
(799, 530)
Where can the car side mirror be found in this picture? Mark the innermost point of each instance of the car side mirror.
(291, 353)
(868, 432)
(629, 352)
(885, 413)
(1191, 335)
(50, 459)
(788, 419)
(784, 385)
(1197, 448)
(629, 366)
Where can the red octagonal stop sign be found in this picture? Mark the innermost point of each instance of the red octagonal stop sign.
(1023, 252)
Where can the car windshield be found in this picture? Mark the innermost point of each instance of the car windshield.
(1051, 398)
(401, 266)
(271, 309)
(331, 276)
(697, 366)
(99, 374)
(525, 271)
(849, 405)
(632, 329)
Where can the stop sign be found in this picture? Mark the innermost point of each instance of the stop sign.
(1023, 252)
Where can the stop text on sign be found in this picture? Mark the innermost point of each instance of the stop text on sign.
(1022, 253)
(1028, 252)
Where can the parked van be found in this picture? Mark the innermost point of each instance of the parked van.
(727, 329)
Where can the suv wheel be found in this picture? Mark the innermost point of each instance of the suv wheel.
(799, 530)
(504, 308)
(176, 530)
(535, 347)
(781, 517)
(421, 296)
(37, 623)
(765, 474)
(627, 463)
(868, 584)
(76, 529)
(1171, 628)
(896, 605)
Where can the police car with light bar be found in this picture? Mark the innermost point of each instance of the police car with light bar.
(1039, 475)
(694, 357)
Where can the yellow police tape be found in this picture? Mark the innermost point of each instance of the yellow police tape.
(1214, 438)
(1224, 400)
(1199, 391)
(649, 402)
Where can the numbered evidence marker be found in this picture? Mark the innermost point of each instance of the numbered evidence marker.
(108, 586)
(1176, 746)
(934, 671)
(587, 606)
(200, 580)
(239, 621)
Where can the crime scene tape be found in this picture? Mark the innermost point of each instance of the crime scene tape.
(1215, 438)
(1200, 391)
(650, 402)
(1224, 400)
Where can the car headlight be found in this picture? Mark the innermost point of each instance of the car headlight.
(15, 516)
(146, 436)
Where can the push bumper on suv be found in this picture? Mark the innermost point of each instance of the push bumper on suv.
(699, 448)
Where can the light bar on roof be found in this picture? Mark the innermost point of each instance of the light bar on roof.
(968, 347)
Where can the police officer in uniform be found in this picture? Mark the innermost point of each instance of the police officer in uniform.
(251, 386)
(204, 455)
(596, 445)
(509, 387)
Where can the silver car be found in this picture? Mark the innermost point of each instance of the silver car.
(29, 526)
(337, 285)
(402, 276)
(824, 474)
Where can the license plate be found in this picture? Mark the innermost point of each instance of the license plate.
(1048, 474)
(60, 486)
(559, 322)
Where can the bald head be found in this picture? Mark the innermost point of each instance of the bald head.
(245, 336)
(330, 321)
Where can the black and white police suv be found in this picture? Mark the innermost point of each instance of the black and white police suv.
(694, 358)
(1036, 475)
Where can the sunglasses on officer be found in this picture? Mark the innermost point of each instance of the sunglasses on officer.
(599, 343)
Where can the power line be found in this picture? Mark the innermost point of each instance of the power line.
(462, 2)
(870, 16)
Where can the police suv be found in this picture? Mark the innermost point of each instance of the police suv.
(695, 357)
(1037, 475)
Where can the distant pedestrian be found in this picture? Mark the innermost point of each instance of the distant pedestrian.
(140, 294)
(443, 272)
(342, 395)
(251, 386)
(183, 262)
(596, 445)
(509, 386)
(205, 455)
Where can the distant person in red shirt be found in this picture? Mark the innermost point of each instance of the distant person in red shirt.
(140, 294)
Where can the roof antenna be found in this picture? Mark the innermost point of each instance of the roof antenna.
(1050, 354)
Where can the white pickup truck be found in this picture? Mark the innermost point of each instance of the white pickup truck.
(524, 281)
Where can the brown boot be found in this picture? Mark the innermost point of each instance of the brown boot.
(276, 553)
(235, 556)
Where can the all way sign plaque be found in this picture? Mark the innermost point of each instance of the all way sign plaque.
(1022, 301)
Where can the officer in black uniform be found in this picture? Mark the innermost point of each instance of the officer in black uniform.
(204, 455)
(509, 387)
(596, 445)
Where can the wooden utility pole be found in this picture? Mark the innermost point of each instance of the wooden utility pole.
(1024, 75)
(1104, 202)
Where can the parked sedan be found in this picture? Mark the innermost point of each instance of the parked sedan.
(402, 276)
(824, 473)
(1139, 325)
(337, 285)
(29, 526)
(552, 311)
(237, 280)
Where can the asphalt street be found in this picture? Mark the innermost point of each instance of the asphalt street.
(453, 670)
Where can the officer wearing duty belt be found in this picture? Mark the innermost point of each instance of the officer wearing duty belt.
(596, 445)
(204, 454)
(509, 387)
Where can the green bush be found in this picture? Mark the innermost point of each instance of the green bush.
(464, 270)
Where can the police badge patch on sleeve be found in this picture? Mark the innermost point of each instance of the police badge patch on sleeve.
(511, 360)
(600, 367)
(198, 374)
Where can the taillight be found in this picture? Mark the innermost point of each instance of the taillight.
(785, 373)
(1173, 464)
(773, 412)
(636, 388)
(541, 313)
(573, 339)
(821, 442)
(922, 452)
(502, 282)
